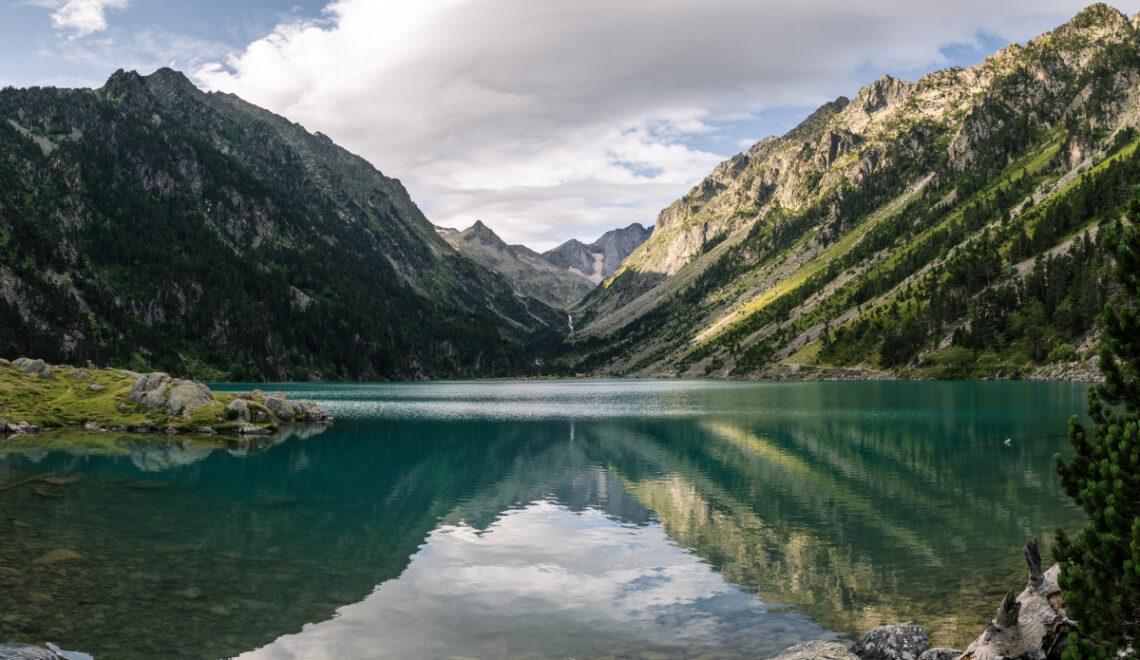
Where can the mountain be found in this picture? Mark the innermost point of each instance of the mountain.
(599, 259)
(560, 277)
(528, 271)
(944, 228)
(149, 224)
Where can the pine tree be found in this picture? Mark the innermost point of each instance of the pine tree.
(1100, 567)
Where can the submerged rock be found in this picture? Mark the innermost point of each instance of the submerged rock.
(60, 556)
(903, 641)
(27, 652)
(817, 650)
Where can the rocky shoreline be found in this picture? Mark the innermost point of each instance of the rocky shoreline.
(36, 396)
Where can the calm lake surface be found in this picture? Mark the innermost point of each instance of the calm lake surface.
(584, 519)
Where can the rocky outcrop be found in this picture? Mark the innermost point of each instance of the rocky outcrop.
(33, 367)
(817, 650)
(174, 396)
(158, 391)
(902, 641)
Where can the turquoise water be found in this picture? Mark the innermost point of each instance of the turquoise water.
(621, 519)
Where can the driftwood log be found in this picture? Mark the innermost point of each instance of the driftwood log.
(1032, 625)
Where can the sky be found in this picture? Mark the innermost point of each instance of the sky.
(546, 119)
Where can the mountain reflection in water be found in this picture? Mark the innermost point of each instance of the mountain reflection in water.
(563, 519)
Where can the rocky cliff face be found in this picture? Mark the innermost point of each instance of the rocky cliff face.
(152, 225)
(881, 203)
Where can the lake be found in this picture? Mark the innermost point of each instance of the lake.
(549, 519)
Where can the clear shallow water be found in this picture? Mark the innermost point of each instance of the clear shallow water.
(545, 520)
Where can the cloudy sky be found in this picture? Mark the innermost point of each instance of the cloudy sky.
(547, 119)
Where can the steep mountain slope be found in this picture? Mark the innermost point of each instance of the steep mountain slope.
(599, 259)
(528, 271)
(944, 227)
(149, 224)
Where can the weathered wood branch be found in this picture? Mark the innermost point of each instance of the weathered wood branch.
(1033, 625)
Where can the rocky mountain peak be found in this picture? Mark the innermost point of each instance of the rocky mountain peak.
(125, 86)
(884, 93)
(170, 82)
(483, 234)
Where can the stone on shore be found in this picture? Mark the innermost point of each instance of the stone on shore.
(818, 650)
(282, 408)
(241, 410)
(940, 654)
(902, 641)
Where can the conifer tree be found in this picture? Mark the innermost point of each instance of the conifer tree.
(1100, 567)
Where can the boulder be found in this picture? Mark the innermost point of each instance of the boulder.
(158, 391)
(903, 641)
(27, 652)
(96, 388)
(310, 412)
(940, 654)
(206, 430)
(818, 650)
(150, 390)
(250, 429)
(186, 396)
(5, 363)
(241, 408)
(78, 373)
(282, 408)
(34, 367)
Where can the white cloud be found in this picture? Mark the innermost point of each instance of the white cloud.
(83, 17)
(548, 119)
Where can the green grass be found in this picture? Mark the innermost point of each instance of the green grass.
(65, 401)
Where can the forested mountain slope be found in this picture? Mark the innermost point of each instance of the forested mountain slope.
(945, 227)
(151, 225)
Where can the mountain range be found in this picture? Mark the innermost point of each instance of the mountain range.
(560, 277)
(947, 227)
(151, 225)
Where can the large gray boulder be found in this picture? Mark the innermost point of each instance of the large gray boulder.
(241, 409)
(27, 652)
(282, 408)
(158, 391)
(33, 367)
(149, 390)
(310, 412)
(902, 641)
(186, 396)
(818, 650)
(940, 654)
